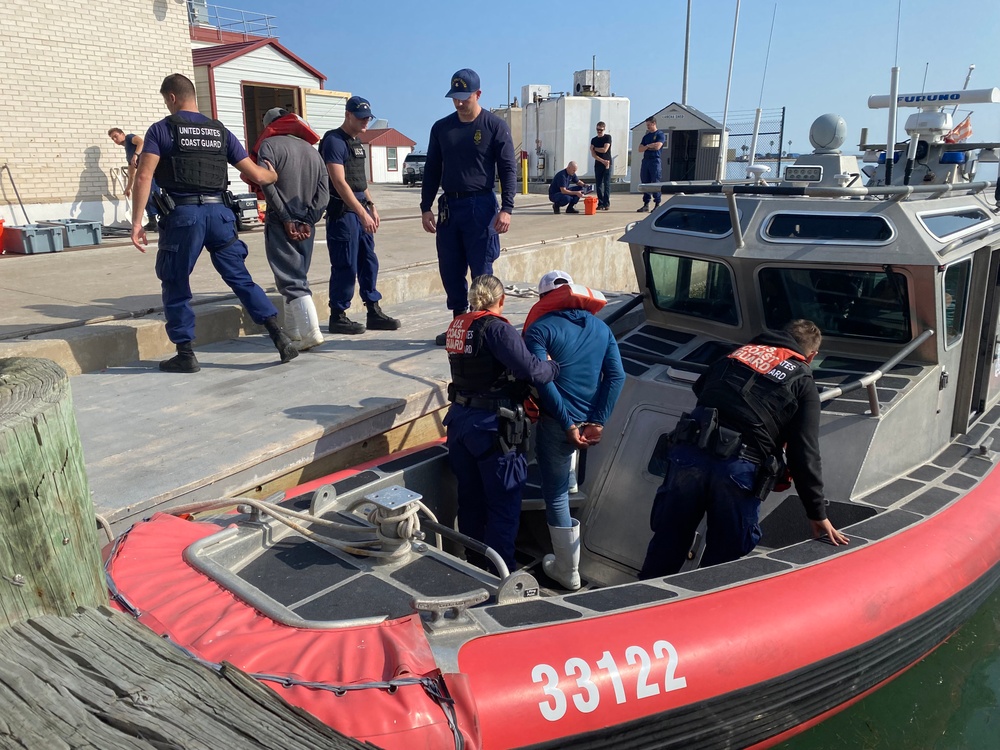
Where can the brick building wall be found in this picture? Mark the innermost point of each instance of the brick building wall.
(70, 71)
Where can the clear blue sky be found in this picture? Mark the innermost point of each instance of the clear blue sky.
(824, 57)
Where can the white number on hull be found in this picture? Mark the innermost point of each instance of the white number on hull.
(587, 697)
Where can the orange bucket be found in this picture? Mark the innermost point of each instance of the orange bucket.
(590, 205)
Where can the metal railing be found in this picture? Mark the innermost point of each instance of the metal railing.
(868, 381)
(233, 20)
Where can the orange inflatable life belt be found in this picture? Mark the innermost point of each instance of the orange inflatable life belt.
(566, 297)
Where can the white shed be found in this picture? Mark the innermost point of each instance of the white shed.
(386, 148)
(238, 82)
(691, 150)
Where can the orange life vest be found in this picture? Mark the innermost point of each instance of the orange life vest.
(290, 124)
(566, 297)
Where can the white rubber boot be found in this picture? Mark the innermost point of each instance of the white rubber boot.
(304, 311)
(564, 565)
(291, 325)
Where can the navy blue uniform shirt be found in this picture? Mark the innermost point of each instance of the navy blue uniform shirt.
(129, 147)
(506, 344)
(463, 157)
(656, 136)
(562, 180)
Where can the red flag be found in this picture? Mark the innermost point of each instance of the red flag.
(961, 132)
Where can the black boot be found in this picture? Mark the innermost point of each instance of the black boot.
(151, 225)
(281, 341)
(183, 361)
(378, 320)
(442, 338)
(340, 323)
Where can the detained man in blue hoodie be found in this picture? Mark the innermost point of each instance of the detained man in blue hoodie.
(574, 409)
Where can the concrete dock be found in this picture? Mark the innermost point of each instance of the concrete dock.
(246, 423)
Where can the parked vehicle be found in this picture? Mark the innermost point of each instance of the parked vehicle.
(413, 168)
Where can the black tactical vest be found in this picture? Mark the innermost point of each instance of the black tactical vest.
(355, 172)
(197, 162)
(752, 402)
(476, 371)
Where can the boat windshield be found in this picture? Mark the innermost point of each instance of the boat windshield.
(858, 304)
(692, 286)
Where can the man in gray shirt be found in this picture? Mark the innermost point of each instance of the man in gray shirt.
(295, 204)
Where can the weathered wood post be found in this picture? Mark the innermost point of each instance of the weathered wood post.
(49, 555)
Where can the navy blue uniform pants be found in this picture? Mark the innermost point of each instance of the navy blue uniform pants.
(565, 200)
(650, 172)
(602, 180)
(490, 482)
(182, 236)
(466, 241)
(697, 483)
(352, 258)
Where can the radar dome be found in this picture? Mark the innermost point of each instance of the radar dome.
(828, 133)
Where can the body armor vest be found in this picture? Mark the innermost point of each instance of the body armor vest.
(197, 163)
(355, 172)
(752, 390)
(474, 370)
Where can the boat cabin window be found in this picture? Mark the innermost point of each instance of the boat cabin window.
(860, 304)
(825, 227)
(691, 286)
(692, 220)
(956, 292)
(945, 224)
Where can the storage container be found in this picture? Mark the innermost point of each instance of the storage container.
(31, 239)
(76, 232)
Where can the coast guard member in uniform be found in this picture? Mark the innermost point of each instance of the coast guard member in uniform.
(465, 151)
(351, 223)
(188, 153)
(491, 369)
(725, 456)
(133, 149)
(649, 171)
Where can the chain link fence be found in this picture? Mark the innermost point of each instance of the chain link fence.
(771, 149)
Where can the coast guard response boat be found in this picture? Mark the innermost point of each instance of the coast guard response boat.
(343, 597)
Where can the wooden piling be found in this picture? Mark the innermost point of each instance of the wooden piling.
(49, 553)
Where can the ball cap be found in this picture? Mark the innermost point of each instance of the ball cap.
(552, 279)
(273, 114)
(464, 84)
(359, 107)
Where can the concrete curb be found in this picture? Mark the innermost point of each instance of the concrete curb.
(594, 259)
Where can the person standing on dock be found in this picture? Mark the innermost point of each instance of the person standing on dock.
(491, 369)
(295, 203)
(188, 153)
(566, 189)
(351, 223)
(465, 152)
(133, 148)
(726, 456)
(600, 149)
(574, 407)
(650, 170)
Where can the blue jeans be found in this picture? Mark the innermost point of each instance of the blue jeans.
(697, 483)
(466, 242)
(183, 234)
(649, 172)
(554, 456)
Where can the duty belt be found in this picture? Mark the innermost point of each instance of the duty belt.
(196, 200)
(469, 194)
(491, 404)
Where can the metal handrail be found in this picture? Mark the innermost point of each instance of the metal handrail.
(868, 381)
(898, 191)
